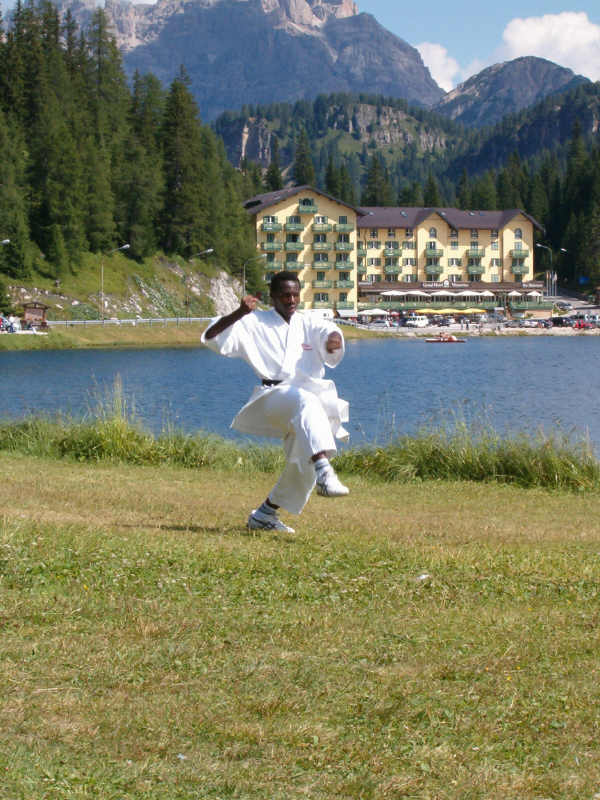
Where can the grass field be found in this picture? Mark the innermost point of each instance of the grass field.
(428, 639)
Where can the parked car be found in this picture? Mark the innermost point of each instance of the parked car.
(529, 323)
(562, 322)
(417, 322)
(379, 323)
(563, 305)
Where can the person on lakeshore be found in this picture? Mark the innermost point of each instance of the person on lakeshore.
(288, 350)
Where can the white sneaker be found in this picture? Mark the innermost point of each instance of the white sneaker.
(329, 485)
(258, 520)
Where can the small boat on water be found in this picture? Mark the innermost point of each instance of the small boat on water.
(446, 339)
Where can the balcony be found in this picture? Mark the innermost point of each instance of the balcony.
(433, 269)
(344, 284)
(307, 208)
(476, 252)
(272, 226)
(344, 304)
(393, 269)
(344, 246)
(322, 284)
(342, 227)
(391, 251)
(322, 227)
(320, 247)
(294, 227)
(271, 247)
(322, 304)
(475, 269)
(433, 252)
(343, 265)
(519, 253)
(519, 269)
(295, 247)
(322, 265)
(294, 266)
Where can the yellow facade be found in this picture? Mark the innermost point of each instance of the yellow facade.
(317, 237)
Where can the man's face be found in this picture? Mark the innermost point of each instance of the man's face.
(285, 298)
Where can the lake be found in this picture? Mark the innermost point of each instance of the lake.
(512, 383)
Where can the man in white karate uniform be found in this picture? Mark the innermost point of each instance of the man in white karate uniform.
(289, 352)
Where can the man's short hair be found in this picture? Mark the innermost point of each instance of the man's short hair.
(281, 277)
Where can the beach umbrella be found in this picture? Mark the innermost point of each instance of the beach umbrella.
(373, 312)
(487, 293)
(468, 293)
(393, 293)
(442, 293)
(417, 293)
(514, 293)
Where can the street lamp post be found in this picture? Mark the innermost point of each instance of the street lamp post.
(247, 261)
(110, 252)
(206, 252)
(551, 276)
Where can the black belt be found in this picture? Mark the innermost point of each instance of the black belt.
(268, 382)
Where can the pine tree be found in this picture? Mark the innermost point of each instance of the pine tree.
(431, 193)
(304, 169)
(378, 190)
(273, 179)
(463, 192)
(333, 182)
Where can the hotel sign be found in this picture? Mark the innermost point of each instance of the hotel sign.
(533, 285)
(444, 285)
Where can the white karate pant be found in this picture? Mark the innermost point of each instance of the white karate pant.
(305, 429)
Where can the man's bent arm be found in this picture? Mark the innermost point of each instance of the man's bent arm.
(247, 306)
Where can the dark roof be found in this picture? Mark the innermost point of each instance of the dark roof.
(261, 201)
(388, 217)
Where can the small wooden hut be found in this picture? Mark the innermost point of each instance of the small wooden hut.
(34, 315)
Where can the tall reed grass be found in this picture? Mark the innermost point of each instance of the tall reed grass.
(112, 433)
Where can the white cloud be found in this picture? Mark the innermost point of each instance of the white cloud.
(569, 39)
(444, 69)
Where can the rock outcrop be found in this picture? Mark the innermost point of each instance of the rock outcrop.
(240, 52)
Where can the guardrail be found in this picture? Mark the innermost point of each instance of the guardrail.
(135, 321)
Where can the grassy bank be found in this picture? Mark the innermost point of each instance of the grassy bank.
(427, 639)
(105, 336)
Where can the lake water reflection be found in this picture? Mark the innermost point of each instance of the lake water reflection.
(516, 383)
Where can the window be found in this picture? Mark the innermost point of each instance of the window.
(373, 262)
(392, 276)
(320, 237)
(321, 220)
(495, 262)
(344, 276)
(321, 297)
(453, 233)
(409, 233)
(432, 233)
(409, 262)
(518, 233)
(270, 237)
(494, 244)
(494, 234)
(373, 245)
(269, 219)
(373, 233)
(320, 276)
(294, 220)
(319, 258)
(408, 245)
(474, 262)
(290, 237)
(432, 245)
(454, 244)
(391, 232)
(343, 237)
(373, 278)
(392, 261)
(433, 262)
(474, 245)
(454, 262)
(343, 298)
(474, 234)
(270, 257)
(392, 245)
(494, 278)
(454, 278)
(307, 201)
(409, 278)
(518, 245)
(360, 260)
(342, 258)
(343, 220)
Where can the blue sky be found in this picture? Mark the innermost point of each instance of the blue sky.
(458, 39)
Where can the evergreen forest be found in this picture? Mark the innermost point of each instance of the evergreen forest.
(89, 163)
